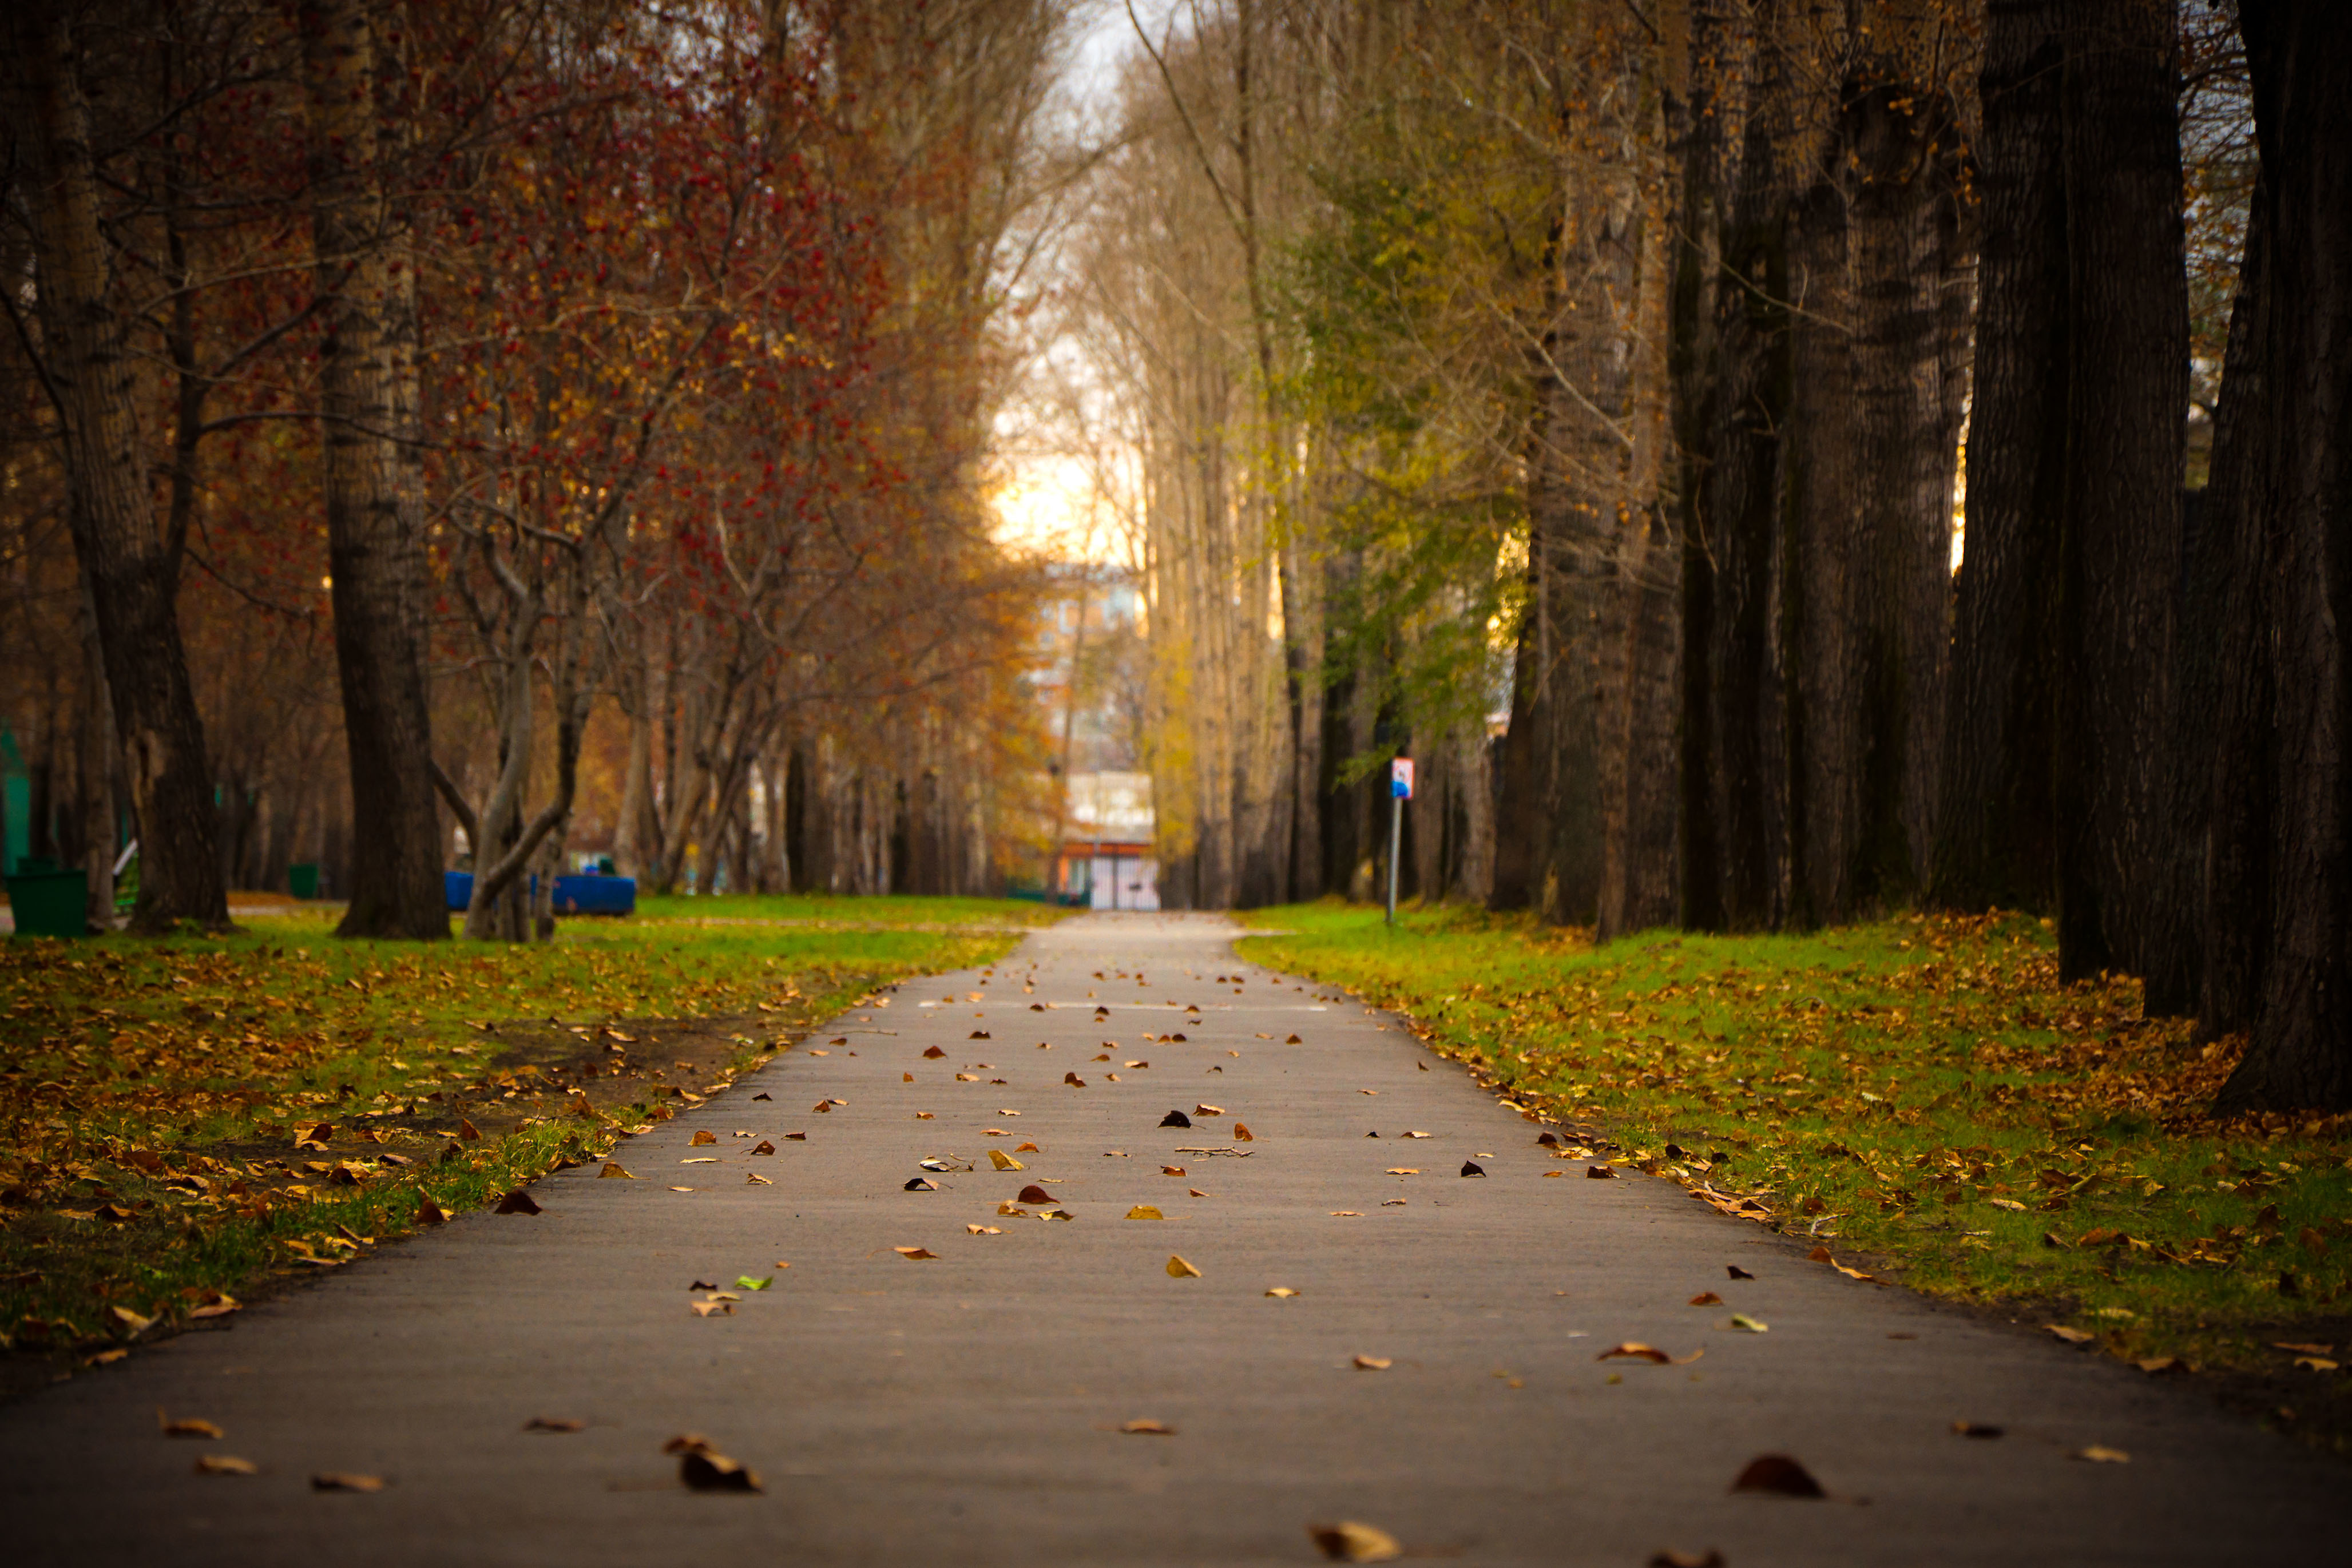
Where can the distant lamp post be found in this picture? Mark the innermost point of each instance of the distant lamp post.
(1400, 791)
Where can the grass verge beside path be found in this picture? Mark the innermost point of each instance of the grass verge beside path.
(187, 1120)
(1923, 1090)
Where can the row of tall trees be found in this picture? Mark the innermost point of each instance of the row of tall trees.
(1611, 367)
(537, 364)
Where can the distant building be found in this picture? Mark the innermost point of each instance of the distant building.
(1106, 851)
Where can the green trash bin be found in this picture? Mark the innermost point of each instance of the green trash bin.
(302, 880)
(50, 903)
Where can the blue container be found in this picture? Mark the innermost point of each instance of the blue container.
(573, 895)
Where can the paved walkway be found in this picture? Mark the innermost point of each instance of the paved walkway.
(967, 1410)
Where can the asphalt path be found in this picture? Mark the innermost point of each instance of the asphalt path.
(969, 1408)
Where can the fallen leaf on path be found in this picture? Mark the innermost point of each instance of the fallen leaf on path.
(2098, 1454)
(702, 1135)
(2072, 1336)
(1349, 1541)
(763, 1094)
(429, 1212)
(467, 1131)
(704, 1468)
(1206, 1111)
(553, 1424)
(1025, 1148)
(747, 1282)
(1472, 1169)
(1402, 1170)
(133, 1321)
(2161, 1365)
(1146, 1428)
(1145, 1211)
(226, 1465)
(1347, 1214)
(344, 1480)
(221, 1305)
(518, 1201)
(1600, 1173)
(1033, 1193)
(1073, 1079)
(983, 1230)
(1778, 1474)
(686, 1189)
(1282, 1292)
(1367, 1091)
(1196, 1191)
(802, 1137)
(1672, 1559)
(967, 1078)
(2315, 1363)
(1180, 1270)
(764, 1147)
(1171, 1170)
(934, 1163)
(188, 1427)
(922, 1184)
(1241, 1134)
(914, 1254)
(1293, 1040)
(1706, 1299)
(977, 1034)
(1736, 1273)
(1746, 1324)
(1175, 1119)
(1977, 1429)
(1634, 1350)
(1003, 1160)
(613, 1169)
(1373, 1363)
(2302, 1347)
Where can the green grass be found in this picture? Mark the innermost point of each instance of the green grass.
(152, 1092)
(1921, 1090)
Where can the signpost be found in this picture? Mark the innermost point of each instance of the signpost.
(1400, 791)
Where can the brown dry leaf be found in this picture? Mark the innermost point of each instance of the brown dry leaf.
(1736, 1273)
(1282, 1292)
(2159, 1366)
(1180, 1270)
(188, 1427)
(983, 1230)
(1347, 1214)
(1367, 1091)
(702, 1135)
(751, 1179)
(914, 1254)
(2302, 1347)
(1196, 1191)
(1670, 1558)
(554, 1424)
(2098, 1454)
(1373, 1363)
(1072, 1078)
(226, 1465)
(1171, 1170)
(2072, 1336)
(344, 1480)
(1819, 1255)
(518, 1201)
(467, 1131)
(133, 1321)
(1778, 1474)
(1706, 1299)
(1146, 1428)
(1350, 1541)
(704, 1468)
(1402, 1170)
(1033, 1193)
(822, 1108)
(1208, 1110)
(1145, 1211)
(2315, 1363)
(764, 1147)
(1977, 1429)
(1293, 1040)
(1633, 1349)
(1241, 1134)
(712, 1309)
(429, 1212)
(613, 1169)
(922, 1184)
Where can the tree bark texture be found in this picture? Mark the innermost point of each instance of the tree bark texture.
(2279, 898)
(130, 573)
(1996, 823)
(368, 407)
(2127, 397)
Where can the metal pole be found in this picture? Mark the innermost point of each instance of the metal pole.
(1396, 841)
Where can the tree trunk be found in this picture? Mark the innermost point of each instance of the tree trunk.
(97, 768)
(2281, 488)
(373, 512)
(2126, 433)
(130, 573)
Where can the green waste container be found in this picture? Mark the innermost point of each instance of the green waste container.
(50, 903)
(302, 881)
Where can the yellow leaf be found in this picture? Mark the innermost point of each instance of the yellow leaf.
(1180, 1270)
(1145, 1211)
(1003, 1160)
